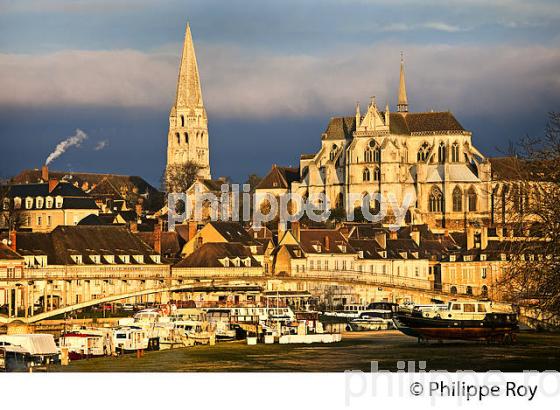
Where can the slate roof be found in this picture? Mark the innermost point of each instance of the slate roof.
(399, 123)
(73, 197)
(209, 255)
(369, 248)
(65, 241)
(309, 238)
(234, 232)
(113, 186)
(171, 242)
(279, 177)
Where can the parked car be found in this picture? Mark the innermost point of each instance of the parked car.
(127, 307)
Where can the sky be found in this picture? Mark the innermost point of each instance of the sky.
(272, 73)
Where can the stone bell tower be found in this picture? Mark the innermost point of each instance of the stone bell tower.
(188, 125)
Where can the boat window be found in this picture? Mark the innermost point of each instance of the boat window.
(482, 308)
(468, 307)
(121, 336)
(456, 307)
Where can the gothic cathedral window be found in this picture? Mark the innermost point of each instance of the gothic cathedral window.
(436, 200)
(182, 121)
(186, 137)
(472, 199)
(441, 152)
(366, 175)
(455, 152)
(178, 138)
(423, 152)
(377, 174)
(457, 200)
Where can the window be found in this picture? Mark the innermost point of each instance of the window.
(58, 202)
(484, 272)
(6, 204)
(49, 202)
(186, 137)
(377, 174)
(436, 200)
(333, 152)
(481, 308)
(423, 152)
(441, 152)
(182, 121)
(457, 200)
(472, 199)
(17, 202)
(39, 201)
(39, 220)
(468, 307)
(368, 155)
(455, 152)
(28, 203)
(49, 220)
(366, 175)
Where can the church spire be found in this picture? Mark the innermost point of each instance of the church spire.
(189, 94)
(402, 104)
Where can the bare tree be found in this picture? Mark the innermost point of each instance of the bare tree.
(532, 277)
(179, 177)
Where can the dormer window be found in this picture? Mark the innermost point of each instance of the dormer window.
(297, 252)
(28, 203)
(503, 256)
(467, 258)
(317, 248)
(109, 258)
(342, 248)
(125, 258)
(17, 202)
(156, 258)
(58, 202)
(415, 254)
(383, 254)
(482, 256)
(39, 201)
(138, 258)
(6, 204)
(49, 202)
(77, 259)
(247, 262)
(404, 255)
(95, 259)
(225, 262)
(361, 254)
(452, 258)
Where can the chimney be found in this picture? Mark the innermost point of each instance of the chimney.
(12, 239)
(133, 226)
(44, 173)
(484, 238)
(327, 241)
(415, 236)
(157, 237)
(470, 238)
(296, 229)
(192, 229)
(52, 184)
(393, 235)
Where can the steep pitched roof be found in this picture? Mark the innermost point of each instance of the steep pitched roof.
(279, 177)
(65, 241)
(171, 242)
(6, 253)
(327, 240)
(399, 123)
(233, 232)
(72, 197)
(209, 255)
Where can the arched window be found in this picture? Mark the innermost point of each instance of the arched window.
(182, 121)
(455, 152)
(441, 152)
(436, 200)
(423, 152)
(472, 199)
(484, 291)
(377, 154)
(469, 290)
(366, 175)
(453, 290)
(186, 137)
(457, 200)
(377, 174)
(178, 138)
(368, 155)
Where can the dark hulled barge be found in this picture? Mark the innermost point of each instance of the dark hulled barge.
(468, 320)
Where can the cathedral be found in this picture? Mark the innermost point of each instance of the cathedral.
(428, 155)
(187, 140)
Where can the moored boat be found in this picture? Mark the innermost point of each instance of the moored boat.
(460, 320)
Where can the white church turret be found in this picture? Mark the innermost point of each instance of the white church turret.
(358, 115)
(188, 125)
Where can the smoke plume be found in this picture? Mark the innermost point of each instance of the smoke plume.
(74, 140)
